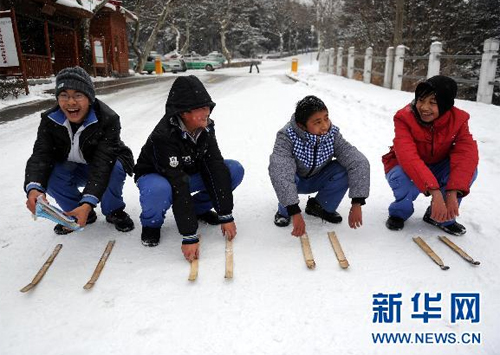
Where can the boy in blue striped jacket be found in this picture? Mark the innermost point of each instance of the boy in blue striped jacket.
(310, 155)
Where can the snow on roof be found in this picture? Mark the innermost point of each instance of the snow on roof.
(90, 5)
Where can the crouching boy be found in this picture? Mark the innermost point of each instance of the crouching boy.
(181, 157)
(78, 145)
(310, 155)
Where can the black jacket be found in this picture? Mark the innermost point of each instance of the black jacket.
(100, 144)
(169, 152)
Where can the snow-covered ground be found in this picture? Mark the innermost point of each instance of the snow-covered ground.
(143, 302)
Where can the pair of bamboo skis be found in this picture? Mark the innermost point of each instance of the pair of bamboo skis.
(337, 248)
(97, 272)
(428, 250)
(193, 272)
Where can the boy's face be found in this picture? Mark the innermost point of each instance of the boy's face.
(427, 108)
(318, 123)
(197, 118)
(74, 104)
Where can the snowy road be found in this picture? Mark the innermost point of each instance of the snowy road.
(143, 303)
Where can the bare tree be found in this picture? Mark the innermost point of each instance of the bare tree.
(326, 15)
(159, 24)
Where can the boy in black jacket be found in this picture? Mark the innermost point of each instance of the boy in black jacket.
(180, 157)
(78, 145)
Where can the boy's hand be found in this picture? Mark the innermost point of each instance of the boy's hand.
(190, 251)
(31, 201)
(439, 212)
(229, 230)
(81, 213)
(299, 226)
(452, 204)
(355, 216)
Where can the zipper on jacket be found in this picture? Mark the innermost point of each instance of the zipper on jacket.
(432, 140)
(314, 158)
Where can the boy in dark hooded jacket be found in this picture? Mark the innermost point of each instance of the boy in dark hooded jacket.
(180, 157)
(78, 145)
(434, 154)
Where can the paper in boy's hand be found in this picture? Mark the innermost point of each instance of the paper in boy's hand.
(43, 209)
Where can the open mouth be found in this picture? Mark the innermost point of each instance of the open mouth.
(73, 112)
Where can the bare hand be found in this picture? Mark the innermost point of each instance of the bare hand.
(355, 216)
(439, 212)
(191, 251)
(31, 201)
(81, 213)
(452, 204)
(299, 226)
(229, 230)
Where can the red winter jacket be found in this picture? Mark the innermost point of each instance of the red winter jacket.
(417, 145)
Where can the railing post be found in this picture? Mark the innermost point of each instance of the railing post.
(323, 58)
(399, 62)
(367, 72)
(331, 61)
(389, 66)
(488, 69)
(434, 63)
(350, 63)
(340, 52)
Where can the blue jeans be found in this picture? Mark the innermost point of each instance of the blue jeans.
(331, 184)
(405, 191)
(67, 177)
(156, 194)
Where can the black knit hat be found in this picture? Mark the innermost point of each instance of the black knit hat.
(75, 78)
(306, 107)
(443, 87)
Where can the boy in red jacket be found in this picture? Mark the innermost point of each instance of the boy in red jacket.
(434, 154)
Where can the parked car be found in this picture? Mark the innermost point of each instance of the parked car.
(199, 62)
(216, 57)
(171, 65)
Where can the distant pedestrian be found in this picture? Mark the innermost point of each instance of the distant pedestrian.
(433, 153)
(254, 63)
(181, 166)
(78, 145)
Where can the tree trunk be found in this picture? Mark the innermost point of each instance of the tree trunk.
(185, 46)
(177, 37)
(398, 23)
(281, 44)
(225, 51)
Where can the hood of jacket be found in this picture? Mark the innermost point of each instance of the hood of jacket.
(187, 93)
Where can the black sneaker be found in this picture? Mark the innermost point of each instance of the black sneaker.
(150, 237)
(395, 223)
(209, 217)
(121, 220)
(280, 220)
(314, 209)
(453, 229)
(59, 229)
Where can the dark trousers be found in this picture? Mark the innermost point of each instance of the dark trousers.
(156, 194)
(67, 177)
(256, 66)
(331, 183)
(405, 191)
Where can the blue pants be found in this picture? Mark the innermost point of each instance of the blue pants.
(331, 184)
(405, 191)
(156, 194)
(67, 177)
